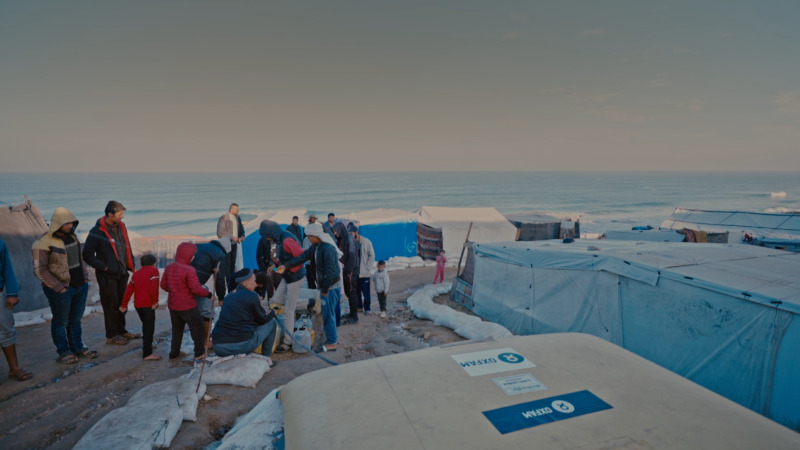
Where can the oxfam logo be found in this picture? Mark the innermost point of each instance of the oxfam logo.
(511, 358)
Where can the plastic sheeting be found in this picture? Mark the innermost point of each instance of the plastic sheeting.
(777, 229)
(20, 226)
(704, 311)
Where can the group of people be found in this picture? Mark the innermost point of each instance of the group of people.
(331, 257)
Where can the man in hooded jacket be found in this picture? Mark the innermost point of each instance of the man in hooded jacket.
(210, 260)
(288, 291)
(108, 250)
(57, 263)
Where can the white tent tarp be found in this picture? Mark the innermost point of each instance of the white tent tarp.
(488, 225)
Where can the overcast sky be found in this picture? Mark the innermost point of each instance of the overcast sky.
(122, 85)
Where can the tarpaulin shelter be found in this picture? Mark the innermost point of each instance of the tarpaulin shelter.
(538, 226)
(20, 226)
(488, 225)
(556, 391)
(725, 316)
(766, 229)
(393, 232)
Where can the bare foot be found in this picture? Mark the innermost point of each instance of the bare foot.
(152, 357)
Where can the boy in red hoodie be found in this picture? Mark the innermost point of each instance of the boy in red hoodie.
(144, 289)
(180, 280)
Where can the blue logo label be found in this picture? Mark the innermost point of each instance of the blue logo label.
(512, 358)
(547, 410)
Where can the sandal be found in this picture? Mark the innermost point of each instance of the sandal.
(20, 375)
(67, 359)
(324, 348)
(88, 354)
(132, 336)
(117, 340)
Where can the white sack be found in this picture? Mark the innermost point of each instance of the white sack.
(483, 330)
(259, 428)
(133, 428)
(241, 370)
(179, 393)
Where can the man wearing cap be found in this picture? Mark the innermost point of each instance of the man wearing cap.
(108, 250)
(326, 255)
(230, 225)
(243, 324)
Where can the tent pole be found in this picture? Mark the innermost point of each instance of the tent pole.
(460, 258)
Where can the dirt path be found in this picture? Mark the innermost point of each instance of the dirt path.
(62, 402)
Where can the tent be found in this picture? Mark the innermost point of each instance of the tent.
(723, 315)
(766, 229)
(488, 225)
(557, 391)
(20, 226)
(393, 232)
(537, 226)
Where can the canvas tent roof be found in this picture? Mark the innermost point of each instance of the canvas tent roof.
(488, 225)
(511, 394)
(764, 225)
(703, 311)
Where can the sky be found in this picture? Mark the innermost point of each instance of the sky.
(230, 86)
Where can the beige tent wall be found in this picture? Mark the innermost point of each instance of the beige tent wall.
(20, 226)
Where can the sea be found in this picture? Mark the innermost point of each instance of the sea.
(190, 203)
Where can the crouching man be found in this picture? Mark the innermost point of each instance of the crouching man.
(243, 324)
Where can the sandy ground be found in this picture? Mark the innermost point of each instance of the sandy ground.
(61, 402)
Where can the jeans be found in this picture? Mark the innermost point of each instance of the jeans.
(67, 308)
(112, 290)
(148, 318)
(330, 303)
(8, 334)
(363, 292)
(263, 336)
(382, 300)
(179, 321)
(287, 295)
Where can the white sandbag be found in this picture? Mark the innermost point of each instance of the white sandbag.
(429, 310)
(483, 330)
(453, 319)
(136, 427)
(416, 264)
(241, 370)
(399, 260)
(259, 428)
(179, 392)
(25, 318)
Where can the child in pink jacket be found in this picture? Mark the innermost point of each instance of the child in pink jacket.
(441, 260)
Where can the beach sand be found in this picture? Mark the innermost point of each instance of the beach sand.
(62, 402)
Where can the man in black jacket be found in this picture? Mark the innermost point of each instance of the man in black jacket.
(326, 255)
(108, 251)
(210, 260)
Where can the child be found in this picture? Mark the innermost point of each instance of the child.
(144, 289)
(381, 281)
(180, 280)
(441, 260)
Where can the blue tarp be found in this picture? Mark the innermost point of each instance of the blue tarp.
(392, 239)
(725, 316)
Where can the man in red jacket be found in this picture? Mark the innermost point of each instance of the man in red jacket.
(180, 281)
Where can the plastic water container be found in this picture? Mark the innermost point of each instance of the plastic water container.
(303, 322)
(301, 336)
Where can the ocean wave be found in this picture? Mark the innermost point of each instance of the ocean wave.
(780, 194)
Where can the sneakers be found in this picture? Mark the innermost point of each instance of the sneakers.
(383, 314)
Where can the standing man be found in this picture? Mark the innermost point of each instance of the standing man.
(230, 225)
(328, 226)
(57, 263)
(9, 298)
(288, 291)
(350, 267)
(296, 229)
(210, 260)
(366, 260)
(311, 272)
(108, 251)
(326, 255)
